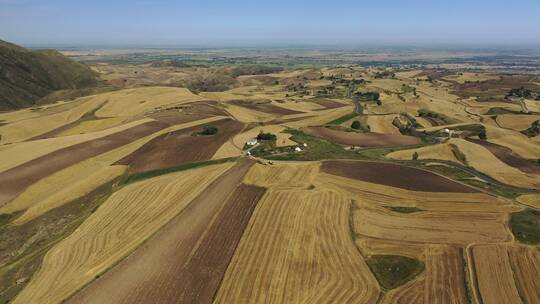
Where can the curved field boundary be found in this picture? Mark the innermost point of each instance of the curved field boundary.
(183, 253)
(265, 107)
(506, 156)
(431, 227)
(368, 140)
(15, 180)
(525, 262)
(179, 147)
(410, 293)
(121, 224)
(298, 249)
(394, 175)
(428, 201)
(14, 155)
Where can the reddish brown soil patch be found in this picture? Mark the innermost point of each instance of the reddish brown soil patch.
(361, 139)
(394, 175)
(185, 261)
(179, 147)
(505, 155)
(265, 107)
(55, 132)
(188, 113)
(328, 103)
(495, 89)
(15, 180)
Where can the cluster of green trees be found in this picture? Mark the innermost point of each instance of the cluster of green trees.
(266, 136)
(254, 69)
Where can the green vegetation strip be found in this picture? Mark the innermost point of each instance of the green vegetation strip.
(153, 173)
(318, 149)
(343, 119)
(526, 226)
(404, 209)
(394, 270)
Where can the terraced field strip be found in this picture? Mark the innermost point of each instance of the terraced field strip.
(495, 275)
(298, 249)
(15, 180)
(16, 154)
(121, 224)
(179, 147)
(394, 175)
(430, 227)
(391, 197)
(367, 140)
(283, 175)
(509, 158)
(46, 122)
(187, 258)
(445, 277)
(75, 181)
(525, 262)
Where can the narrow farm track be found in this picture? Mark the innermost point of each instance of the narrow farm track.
(121, 224)
(298, 249)
(185, 248)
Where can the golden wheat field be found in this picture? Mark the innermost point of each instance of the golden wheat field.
(154, 190)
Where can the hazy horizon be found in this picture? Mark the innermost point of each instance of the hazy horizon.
(166, 23)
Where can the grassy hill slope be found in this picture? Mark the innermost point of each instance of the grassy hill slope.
(27, 75)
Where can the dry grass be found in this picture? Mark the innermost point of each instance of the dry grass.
(484, 161)
(281, 260)
(234, 146)
(283, 175)
(440, 151)
(16, 154)
(382, 124)
(516, 122)
(121, 224)
(495, 275)
(25, 129)
(134, 102)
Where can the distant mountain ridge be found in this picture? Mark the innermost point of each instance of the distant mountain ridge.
(28, 75)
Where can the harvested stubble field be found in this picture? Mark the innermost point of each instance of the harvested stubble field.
(15, 180)
(323, 269)
(366, 140)
(186, 260)
(158, 213)
(119, 226)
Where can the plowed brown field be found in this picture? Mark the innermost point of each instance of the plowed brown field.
(180, 147)
(15, 180)
(185, 261)
(394, 175)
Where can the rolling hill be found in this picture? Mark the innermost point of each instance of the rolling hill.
(28, 75)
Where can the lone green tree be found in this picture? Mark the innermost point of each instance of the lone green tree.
(356, 125)
(415, 155)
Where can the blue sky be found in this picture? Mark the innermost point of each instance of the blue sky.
(277, 22)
